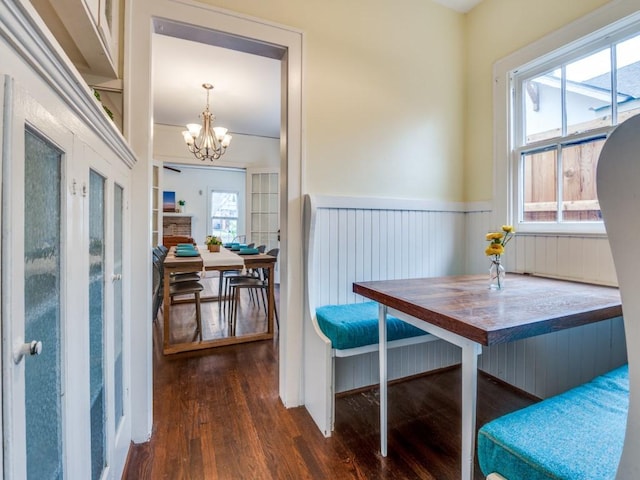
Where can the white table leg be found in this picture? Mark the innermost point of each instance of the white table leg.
(382, 349)
(470, 354)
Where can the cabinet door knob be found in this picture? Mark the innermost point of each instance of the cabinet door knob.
(33, 348)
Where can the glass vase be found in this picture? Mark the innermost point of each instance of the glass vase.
(496, 274)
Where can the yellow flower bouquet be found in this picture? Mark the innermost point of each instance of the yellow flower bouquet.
(495, 249)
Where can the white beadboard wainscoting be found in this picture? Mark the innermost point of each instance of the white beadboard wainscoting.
(552, 363)
(549, 364)
(361, 239)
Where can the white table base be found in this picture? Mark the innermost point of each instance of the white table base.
(470, 352)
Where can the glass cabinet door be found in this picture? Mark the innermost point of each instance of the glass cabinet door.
(42, 307)
(34, 268)
(118, 319)
(96, 322)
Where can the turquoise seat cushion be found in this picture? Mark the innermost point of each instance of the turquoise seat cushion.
(575, 435)
(249, 251)
(356, 324)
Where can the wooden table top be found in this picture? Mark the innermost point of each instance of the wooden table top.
(527, 306)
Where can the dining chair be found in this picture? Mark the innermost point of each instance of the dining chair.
(157, 287)
(161, 252)
(190, 288)
(255, 284)
(179, 284)
(228, 274)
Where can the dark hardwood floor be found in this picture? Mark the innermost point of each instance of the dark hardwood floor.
(217, 415)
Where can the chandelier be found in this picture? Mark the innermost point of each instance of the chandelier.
(206, 142)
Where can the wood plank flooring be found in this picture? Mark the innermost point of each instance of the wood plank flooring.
(217, 415)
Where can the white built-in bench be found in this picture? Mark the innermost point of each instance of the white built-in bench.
(352, 329)
(359, 239)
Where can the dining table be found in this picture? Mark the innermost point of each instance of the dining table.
(223, 260)
(463, 311)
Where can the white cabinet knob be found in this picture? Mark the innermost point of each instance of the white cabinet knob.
(33, 348)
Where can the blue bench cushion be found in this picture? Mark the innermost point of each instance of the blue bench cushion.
(575, 435)
(356, 324)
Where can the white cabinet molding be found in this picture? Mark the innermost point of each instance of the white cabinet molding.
(27, 34)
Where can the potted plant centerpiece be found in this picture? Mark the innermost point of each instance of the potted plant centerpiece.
(213, 243)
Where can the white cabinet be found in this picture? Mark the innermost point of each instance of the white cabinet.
(89, 32)
(66, 175)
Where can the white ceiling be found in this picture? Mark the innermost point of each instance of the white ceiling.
(246, 94)
(247, 88)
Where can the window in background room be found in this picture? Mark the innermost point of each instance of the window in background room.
(224, 215)
(566, 104)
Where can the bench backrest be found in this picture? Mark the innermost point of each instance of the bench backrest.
(361, 239)
(618, 181)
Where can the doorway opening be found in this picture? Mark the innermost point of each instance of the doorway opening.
(267, 45)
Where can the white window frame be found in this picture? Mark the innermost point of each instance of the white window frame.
(569, 40)
(210, 212)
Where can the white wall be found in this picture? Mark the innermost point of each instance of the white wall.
(192, 185)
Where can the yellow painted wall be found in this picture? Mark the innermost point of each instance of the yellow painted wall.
(496, 28)
(398, 95)
(383, 92)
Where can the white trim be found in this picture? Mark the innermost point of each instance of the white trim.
(381, 203)
(615, 15)
(5, 119)
(374, 347)
(29, 37)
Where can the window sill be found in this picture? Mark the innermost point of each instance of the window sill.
(596, 230)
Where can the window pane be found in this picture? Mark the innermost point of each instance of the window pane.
(588, 92)
(540, 186)
(569, 101)
(224, 215)
(628, 73)
(543, 106)
(96, 323)
(118, 309)
(224, 204)
(579, 196)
